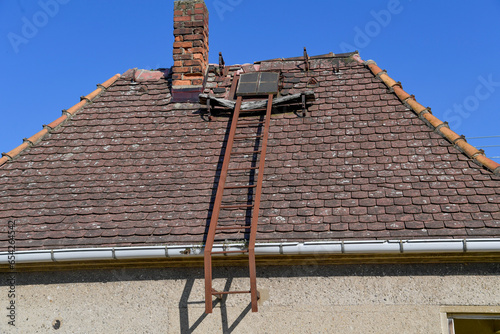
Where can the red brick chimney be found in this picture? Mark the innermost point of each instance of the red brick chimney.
(190, 47)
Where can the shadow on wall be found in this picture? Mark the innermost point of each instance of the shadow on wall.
(181, 289)
(184, 310)
(310, 270)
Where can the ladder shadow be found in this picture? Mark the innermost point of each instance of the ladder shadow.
(252, 179)
(184, 303)
(215, 184)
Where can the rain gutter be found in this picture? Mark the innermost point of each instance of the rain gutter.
(284, 248)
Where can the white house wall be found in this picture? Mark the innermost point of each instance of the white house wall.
(301, 299)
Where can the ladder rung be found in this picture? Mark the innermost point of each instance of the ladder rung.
(236, 206)
(248, 137)
(229, 292)
(250, 123)
(257, 109)
(232, 228)
(230, 252)
(245, 152)
(243, 168)
(241, 187)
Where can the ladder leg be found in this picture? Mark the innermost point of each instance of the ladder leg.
(216, 210)
(255, 214)
(253, 279)
(208, 282)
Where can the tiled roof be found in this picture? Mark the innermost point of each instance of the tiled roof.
(66, 114)
(132, 168)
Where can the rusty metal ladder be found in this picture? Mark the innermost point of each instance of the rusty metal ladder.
(253, 195)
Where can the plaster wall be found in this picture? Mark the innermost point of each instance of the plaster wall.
(300, 299)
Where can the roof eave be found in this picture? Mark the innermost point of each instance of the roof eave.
(316, 250)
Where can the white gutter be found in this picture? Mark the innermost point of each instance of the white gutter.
(285, 248)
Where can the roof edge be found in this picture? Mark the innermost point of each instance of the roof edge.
(66, 115)
(442, 128)
(323, 56)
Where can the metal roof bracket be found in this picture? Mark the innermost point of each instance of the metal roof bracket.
(306, 60)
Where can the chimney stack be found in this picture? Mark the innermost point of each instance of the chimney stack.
(190, 47)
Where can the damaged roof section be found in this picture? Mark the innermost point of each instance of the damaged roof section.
(221, 81)
(134, 168)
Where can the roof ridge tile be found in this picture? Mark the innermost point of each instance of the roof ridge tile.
(67, 114)
(424, 113)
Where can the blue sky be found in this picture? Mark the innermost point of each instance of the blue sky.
(446, 53)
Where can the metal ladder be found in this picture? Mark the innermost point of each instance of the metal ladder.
(231, 181)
